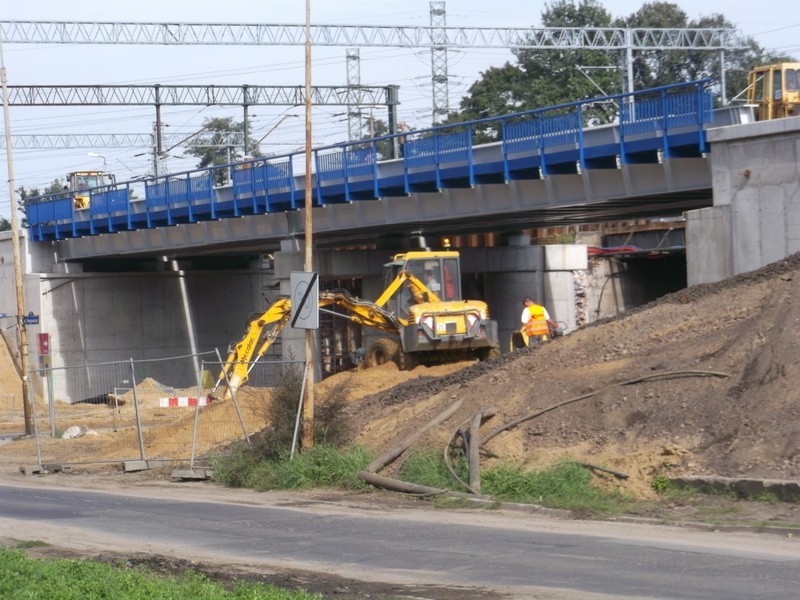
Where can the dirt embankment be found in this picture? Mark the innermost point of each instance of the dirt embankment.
(744, 424)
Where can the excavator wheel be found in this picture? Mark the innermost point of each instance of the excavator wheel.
(381, 351)
(488, 353)
(406, 361)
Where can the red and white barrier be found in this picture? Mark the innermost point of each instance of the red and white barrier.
(182, 402)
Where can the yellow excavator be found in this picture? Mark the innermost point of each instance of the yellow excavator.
(82, 183)
(774, 90)
(420, 310)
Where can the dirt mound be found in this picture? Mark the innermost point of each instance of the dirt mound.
(742, 424)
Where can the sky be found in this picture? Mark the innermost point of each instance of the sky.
(773, 26)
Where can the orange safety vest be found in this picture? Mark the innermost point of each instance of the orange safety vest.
(537, 324)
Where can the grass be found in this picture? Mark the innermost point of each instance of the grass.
(30, 578)
(566, 485)
(30, 544)
(428, 468)
(321, 466)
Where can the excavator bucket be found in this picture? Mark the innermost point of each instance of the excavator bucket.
(518, 340)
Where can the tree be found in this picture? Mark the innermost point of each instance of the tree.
(653, 68)
(374, 128)
(210, 147)
(5, 224)
(542, 78)
(56, 187)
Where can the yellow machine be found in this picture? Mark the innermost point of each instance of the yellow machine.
(80, 183)
(424, 322)
(775, 90)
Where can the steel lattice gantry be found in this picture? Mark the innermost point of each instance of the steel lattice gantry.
(222, 34)
(198, 95)
(438, 37)
(115, 140)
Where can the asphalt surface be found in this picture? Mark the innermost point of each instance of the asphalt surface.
(474, 548)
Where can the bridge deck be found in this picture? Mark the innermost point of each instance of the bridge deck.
(649, 126)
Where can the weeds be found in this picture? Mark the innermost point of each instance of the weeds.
(24, 577)
(428, 468)
(269, 463)
(30, 544)
(321, 466)
(566, 485)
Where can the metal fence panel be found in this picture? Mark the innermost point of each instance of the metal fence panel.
(145, 410)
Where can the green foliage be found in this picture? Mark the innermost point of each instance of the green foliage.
(374, 128)
(5, 224)
(321, 466)
(330, 427)
(30, 544)
(661, 484)
(566, 485)
(210, 149)
(266, 464)
(541, 78)
(426, 467)
(281, 413)
(766, 496)
(23, 577)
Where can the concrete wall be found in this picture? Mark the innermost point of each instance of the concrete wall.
(755, 219)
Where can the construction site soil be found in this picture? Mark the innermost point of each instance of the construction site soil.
(703, 381)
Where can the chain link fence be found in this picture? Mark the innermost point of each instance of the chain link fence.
(172, 409)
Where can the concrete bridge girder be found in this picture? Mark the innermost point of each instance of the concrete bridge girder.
(632, 191)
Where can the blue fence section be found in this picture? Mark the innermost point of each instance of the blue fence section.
(606, 132)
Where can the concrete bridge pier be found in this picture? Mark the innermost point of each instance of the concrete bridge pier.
(755, 219)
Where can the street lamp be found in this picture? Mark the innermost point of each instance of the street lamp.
(96, 155)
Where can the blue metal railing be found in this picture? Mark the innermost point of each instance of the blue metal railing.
(666, 121)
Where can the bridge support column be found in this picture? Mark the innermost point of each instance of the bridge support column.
(755, 219)
(545, 273)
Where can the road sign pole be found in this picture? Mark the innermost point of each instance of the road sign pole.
(23, 332)
(307, 439)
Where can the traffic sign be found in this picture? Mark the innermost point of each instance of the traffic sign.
(30, 319)
(305, 300)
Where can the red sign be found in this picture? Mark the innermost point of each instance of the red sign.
(44, 344)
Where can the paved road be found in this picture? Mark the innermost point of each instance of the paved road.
(497, 551)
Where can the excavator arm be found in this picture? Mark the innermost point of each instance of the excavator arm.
(261, 334)
(265, 329)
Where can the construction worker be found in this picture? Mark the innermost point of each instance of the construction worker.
(536, 322)
(431, 283)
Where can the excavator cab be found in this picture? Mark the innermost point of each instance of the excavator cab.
(83, 183)
(774, 90)
(439, 271)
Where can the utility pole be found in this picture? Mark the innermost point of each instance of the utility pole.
(308, 402)
(21, 327)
